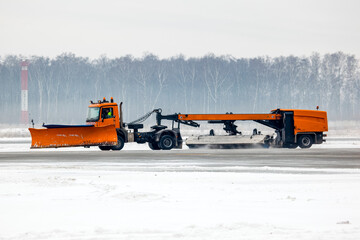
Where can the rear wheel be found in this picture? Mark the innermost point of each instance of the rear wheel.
(105, 148)
(153, 146)
(166, 142)
(120, 144)
(305, 141)
(291, 145)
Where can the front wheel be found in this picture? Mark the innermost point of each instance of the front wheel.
(305, 141)
(105, 148)
(166, 142)
(120, 144)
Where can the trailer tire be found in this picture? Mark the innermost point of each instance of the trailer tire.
(153, 146)
(105, 148)
(166, 142)
(305, 141)
(120, 144)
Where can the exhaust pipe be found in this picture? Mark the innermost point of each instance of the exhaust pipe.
(121, 115)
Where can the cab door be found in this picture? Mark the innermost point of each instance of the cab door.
(107, 116)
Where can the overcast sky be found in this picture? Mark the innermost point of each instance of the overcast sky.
(167, 28)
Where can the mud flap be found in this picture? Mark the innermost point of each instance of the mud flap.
(73, 137)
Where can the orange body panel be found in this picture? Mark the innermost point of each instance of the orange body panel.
(309, 121)
(73, 136)
(208, 117)
(107, 121)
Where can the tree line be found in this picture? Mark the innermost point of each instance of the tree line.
(60, 88)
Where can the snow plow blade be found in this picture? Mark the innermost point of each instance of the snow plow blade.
(72, 136)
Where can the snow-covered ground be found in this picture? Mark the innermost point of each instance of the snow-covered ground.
(104, 200)
(100, 201)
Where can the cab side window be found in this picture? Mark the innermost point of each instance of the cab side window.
(107, 113)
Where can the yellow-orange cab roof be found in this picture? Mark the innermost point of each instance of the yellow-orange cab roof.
(103, 104)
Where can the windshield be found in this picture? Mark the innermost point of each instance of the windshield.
(93, 114)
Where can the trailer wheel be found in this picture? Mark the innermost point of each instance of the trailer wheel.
(105, 148)
(166, 142)
(120, 144)
(153, 146)
(305, 141)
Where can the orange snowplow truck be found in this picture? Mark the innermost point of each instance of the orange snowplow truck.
(105, 128)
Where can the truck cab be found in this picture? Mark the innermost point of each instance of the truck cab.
(103, 114)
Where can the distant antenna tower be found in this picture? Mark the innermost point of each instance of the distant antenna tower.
(24, 92)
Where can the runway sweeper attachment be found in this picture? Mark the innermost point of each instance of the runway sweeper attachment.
(293, 128)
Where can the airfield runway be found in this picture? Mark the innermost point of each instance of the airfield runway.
(192, 160)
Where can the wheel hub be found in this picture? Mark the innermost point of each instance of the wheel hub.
(167, 143)
(305, 141)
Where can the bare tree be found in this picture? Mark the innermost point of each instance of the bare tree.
(59, 88)
(215, 76)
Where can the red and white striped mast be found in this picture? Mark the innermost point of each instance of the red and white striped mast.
(24, 92)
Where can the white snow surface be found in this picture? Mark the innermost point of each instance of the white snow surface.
(101, 201)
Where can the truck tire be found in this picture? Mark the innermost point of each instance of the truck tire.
(305, 141)
(153, 146)
(105, 148)
(166, 142)
(291, 145)
(120, 144)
